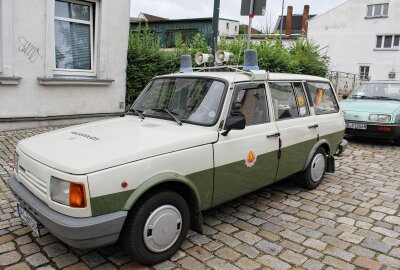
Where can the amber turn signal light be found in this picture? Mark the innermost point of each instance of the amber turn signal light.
(77, 195)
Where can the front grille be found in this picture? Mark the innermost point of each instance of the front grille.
(38, 183)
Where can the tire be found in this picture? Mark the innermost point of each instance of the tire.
(158, 206)
(313, 175)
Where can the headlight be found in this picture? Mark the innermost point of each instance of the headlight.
(59, 190)
(68, 193)
(380, 117)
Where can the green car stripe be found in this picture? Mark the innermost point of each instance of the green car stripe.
(231, 180)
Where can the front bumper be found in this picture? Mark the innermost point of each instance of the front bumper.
(83, 233)
(373, 131)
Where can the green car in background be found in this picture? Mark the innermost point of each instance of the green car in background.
(373, 110)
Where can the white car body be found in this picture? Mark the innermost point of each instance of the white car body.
(118, 160)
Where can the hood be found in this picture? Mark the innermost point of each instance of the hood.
(370, 106)
(99, 145)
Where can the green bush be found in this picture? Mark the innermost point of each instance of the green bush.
(302, 56)
(147, 59)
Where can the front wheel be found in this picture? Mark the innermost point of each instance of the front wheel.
(156, 227)
(312, 176)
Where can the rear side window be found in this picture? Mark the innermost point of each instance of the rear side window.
(289, 100)
(250, 102)
(323, 98)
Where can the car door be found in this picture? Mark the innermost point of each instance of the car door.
(297, 127)
(246, 160)
(329, 119)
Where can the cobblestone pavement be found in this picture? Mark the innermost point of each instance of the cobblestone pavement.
(351, 221)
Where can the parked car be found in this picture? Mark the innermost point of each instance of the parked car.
(190, 142)
(373, 110)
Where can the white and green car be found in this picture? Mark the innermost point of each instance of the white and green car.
(190, 142)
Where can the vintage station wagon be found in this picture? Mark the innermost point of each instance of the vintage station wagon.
(190, 142)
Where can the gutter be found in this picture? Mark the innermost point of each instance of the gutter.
(58, 117)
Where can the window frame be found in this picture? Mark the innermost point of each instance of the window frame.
(311, 100)
(362, 74)
(94, 24)
(373, 9)
(382, 38)
(249, 86)
(6, 38)
(306, 97)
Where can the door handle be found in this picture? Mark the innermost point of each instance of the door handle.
(274, 135)
(314, 126)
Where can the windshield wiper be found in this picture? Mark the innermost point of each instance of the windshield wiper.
(383, 97)
(138, 113)
(170, 113)
(360, 96)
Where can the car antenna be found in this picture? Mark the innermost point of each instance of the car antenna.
(237, 64)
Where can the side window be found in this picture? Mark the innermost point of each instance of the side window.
(251, 103)
(289, 100)
(301, 99)
(323, 98)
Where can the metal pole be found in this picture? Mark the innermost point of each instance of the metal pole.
(251, 15)
(283, 7)
(266, 19)
(215, 21)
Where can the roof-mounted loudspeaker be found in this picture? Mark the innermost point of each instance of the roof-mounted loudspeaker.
(223, 57)
(203, 58)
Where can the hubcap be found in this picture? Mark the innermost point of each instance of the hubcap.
(317, 167)
(162, 228)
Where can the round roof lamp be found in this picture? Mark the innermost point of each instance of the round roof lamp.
(186, 63)
(250, 60)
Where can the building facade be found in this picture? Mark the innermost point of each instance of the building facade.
(361, 37)
(169, 29)
(61, 60)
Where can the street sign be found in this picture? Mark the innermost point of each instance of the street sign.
(258, 7)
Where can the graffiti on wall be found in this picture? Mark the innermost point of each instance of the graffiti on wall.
(31, 51)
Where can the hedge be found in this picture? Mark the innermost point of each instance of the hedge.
(147, 59)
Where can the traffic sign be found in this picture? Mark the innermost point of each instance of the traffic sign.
(259, 7)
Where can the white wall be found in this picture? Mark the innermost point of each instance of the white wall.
(32, 21)
(224, 30)
(350, 38)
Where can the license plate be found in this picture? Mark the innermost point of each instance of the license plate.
(28, 220)
(356, 126)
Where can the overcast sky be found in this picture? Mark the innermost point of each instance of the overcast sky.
(230, 9)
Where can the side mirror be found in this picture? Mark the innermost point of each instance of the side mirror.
(345, 96)
(234, 122)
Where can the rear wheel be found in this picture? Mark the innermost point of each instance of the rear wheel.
(314, 173)
(156, 227)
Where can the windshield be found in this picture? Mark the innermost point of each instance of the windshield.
(192, 100)
(378, 91)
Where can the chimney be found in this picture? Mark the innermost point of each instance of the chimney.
(289, 19)
(304, 24)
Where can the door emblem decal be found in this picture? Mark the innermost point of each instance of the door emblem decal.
(250, 159)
